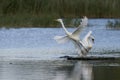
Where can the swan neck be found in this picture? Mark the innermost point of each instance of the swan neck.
(64, 28)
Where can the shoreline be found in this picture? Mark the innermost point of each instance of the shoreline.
(37, 22)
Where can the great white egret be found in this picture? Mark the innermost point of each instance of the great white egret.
(82, 46)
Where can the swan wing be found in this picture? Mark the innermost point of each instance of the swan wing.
(76, 33)
(61, 39)
(84, 23)
(79, 47)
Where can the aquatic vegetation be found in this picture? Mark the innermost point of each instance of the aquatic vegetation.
(62, 8)
(17, 21)
(115, 24)
(40, 13)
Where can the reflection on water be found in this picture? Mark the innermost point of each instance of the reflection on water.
(81, 71)
(59, 70)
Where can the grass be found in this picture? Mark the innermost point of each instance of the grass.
(17, 21)
(41, 13)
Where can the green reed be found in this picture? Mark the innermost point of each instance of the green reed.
(42, 12)
(113, 24)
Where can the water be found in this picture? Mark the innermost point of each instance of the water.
(59, 70)
(33, 54)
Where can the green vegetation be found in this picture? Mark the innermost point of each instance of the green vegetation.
(40, 13)
(17, 21)
(113, 24)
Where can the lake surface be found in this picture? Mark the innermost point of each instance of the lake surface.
(33, 54)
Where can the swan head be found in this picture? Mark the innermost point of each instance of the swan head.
(59, 20)
(90, 36)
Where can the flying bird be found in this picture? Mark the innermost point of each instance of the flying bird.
(82, 46)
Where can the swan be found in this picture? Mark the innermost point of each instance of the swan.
(87, 43)
(82, 46)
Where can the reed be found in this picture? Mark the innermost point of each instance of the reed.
(113, 24)
(18, 21)
(42, 12)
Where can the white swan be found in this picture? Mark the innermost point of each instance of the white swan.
(82, 46)
(87, 44)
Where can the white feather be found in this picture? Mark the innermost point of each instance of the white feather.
(84, 21)
(61, 39)
(83, 24)
(82, 46)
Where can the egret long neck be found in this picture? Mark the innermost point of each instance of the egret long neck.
(64, 27)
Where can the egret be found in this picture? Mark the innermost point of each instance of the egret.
(82, 46)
